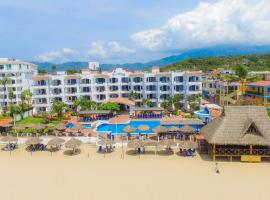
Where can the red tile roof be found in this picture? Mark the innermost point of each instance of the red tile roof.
(260, 83)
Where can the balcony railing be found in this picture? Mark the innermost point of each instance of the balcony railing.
(239, 152)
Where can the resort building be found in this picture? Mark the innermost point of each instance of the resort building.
(117, 84)
(221, 92)
(241, 132)
(18, 75)
(260, 92)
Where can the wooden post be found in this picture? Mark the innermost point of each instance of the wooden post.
(214, 152)
(250, 149)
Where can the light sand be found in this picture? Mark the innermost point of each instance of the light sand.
(43, 177)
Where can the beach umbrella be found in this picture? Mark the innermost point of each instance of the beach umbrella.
(160, 129)
(33, 141)
(187, 129)
(129, 129)
(173, 129)
(19, 127)
(187, 145)
(73, 144)
(60, 127)
(143, 128)
(9, 139)
(56, 141)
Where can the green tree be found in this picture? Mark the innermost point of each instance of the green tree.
(241, 72)
(42, 72)
(134, 95)
(15, 110)
(147, 102)
(109, 106)
(59, 108)
(4, 82)
(87, 104)
(26, 95)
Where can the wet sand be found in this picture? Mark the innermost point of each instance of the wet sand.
(91, 176)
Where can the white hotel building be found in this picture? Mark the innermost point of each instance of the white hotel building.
(19, 75)
(93, 84)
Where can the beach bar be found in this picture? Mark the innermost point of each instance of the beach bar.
(92, 115)
(149, 112)
(241, 132)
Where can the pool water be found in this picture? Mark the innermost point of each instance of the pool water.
(87, 125)
(118, 128)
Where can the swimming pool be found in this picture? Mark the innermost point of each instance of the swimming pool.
(70, 125)
(118, 128)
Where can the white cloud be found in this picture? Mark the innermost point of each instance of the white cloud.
(63, 55)
(224, 21)
(112, 49)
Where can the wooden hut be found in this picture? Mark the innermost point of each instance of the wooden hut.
(240, 132)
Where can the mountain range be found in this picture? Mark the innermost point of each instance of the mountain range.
(220, 50)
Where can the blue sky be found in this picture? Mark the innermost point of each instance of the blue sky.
(119, 31)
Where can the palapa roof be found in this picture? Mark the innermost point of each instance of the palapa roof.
(239, 125)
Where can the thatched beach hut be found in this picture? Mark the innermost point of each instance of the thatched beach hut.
(242, 132)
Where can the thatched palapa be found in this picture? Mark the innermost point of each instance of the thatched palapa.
(240, 131)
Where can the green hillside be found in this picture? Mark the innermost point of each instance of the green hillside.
(256, 62)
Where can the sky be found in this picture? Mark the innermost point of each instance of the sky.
(121, 31)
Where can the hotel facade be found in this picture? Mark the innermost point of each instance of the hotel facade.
(101, 86)
(18, 73)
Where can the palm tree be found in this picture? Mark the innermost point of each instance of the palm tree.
(58, 107)
(4, 82)
(15, 110)
(26, 95)
(147, 102)
(11, 95)
(134, 95)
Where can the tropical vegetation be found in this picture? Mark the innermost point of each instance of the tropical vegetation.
(254, 62)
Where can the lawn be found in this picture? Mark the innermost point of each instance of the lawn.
(36, 120)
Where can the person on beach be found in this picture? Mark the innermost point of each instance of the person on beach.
(217, 168)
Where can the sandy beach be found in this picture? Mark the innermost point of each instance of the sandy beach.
(91, 176)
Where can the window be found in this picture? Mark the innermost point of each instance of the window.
(125, 80)
(113, 88)
(193, 79)
(151, 79)
(137, 88)
(1, 67)
(165, 88)
(151, 88)
(125, 87)
(8, 66)
(137, 79)
(100, 80)
(114, 96)
(179, 88)
(179, 79)
(113, 80)
(86, 89)
(164, 79)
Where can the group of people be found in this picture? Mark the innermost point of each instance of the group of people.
(107, 149)
(37, 147)
(187, 152)
(10, 147)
